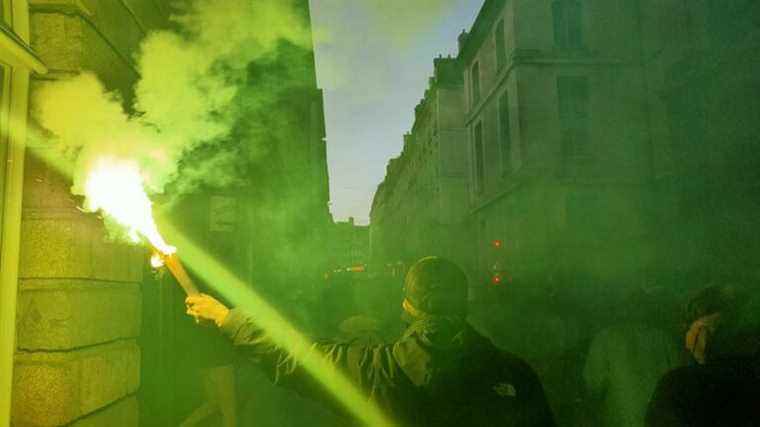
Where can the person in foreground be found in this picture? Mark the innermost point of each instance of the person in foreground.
(441, 372)
(722, 385)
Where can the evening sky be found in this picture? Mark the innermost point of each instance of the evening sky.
(373, 63)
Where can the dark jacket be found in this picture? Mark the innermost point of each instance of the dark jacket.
(439, 373)
(721, 393)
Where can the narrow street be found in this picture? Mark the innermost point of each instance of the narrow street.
(379, 212)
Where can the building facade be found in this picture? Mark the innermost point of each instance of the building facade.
(348, 245)
(77, 356)
(552, 136)
(420, 208)
(559, 139)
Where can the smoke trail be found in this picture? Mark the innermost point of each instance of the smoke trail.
(186, 100)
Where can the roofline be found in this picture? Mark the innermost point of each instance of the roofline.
(476, 34)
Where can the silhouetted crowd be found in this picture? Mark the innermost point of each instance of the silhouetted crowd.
(636, 374)
(440, 371)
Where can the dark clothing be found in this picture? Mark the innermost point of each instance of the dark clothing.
(439, 373)
(721, 393)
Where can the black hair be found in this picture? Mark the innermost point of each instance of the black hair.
(738, 332)
(711, 300)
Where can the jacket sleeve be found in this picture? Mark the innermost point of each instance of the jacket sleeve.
(370, 368)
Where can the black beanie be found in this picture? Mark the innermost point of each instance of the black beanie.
(436, 286)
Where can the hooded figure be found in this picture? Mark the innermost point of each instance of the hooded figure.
(439, 373)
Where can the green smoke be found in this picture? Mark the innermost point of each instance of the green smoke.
(187, 100)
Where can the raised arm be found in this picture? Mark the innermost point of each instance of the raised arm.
(299, 364)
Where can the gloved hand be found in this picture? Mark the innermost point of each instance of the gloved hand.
(205, 308)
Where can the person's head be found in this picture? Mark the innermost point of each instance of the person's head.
(435, 287)
(704, 314)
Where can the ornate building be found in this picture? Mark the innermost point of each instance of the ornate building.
(421, 206)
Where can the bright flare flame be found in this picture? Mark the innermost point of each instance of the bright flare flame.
(156, 260)
(116, 188)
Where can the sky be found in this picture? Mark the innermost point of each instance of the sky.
(374, 59)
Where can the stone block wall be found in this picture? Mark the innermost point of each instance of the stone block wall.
(58, 387)
(78, 361)
(57, 315)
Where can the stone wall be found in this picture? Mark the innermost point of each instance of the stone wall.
(78, 361)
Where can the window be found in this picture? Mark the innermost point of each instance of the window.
(573, 95)
(568, 31)
(505, 134)
(475, 83)
(501, 47)
(479, 157)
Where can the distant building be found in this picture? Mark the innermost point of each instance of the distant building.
(556, 151)
(348, 245)
(558, 139)
(420, 208)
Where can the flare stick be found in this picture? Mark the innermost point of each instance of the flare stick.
(174, 265)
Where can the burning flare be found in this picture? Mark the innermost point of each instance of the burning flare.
(157, 260)
(116, 188)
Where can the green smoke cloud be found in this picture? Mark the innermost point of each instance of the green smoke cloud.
(187, 100)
